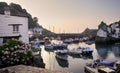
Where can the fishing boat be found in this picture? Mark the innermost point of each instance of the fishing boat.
(56, 46)
(65, 51)
(100, 66)
(89, 42)
(49, 47)
(86, 50)
(76, 40)
(60, 46)
(61, 56)
(42, 42)
(75, 51)
(68, 41)
(83, 51)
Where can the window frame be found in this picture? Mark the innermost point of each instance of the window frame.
(15, 27)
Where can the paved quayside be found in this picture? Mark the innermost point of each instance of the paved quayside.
(27, 69)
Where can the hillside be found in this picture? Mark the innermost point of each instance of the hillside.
(17, 9)
(88, 31)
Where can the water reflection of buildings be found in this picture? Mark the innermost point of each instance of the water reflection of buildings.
(104, 51)
(116, 50)
(85, 57)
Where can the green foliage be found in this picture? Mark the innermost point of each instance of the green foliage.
(3, 4)
(35, 19)
(13, 43)
(17, 7)
(35, 49)
(88, 31)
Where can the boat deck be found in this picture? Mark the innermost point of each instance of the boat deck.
(91, 70)
(101, 69)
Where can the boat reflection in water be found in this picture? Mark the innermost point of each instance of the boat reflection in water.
(75, 63)
(75, 55)
(85, 57)
(62, 63)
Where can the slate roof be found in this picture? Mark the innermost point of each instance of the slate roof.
(13, 12)
(103, 26)
(116, 23)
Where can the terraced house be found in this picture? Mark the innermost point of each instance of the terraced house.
(108, 32)
(115, 29)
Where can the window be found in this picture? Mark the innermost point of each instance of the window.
(15, 27)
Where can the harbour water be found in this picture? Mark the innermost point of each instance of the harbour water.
(76, 64)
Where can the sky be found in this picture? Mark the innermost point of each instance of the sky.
(71, 16)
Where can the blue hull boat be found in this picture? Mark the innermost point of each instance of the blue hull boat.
(56, 46)
(61, 56)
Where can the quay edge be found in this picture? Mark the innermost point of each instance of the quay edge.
(27, 69)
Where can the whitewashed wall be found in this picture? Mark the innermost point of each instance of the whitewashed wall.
(101, 33)
(116, 35)
(38, 30)
(6, 30)
(109, 29)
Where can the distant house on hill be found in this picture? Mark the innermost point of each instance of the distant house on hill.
(35, 30)
(13, 24)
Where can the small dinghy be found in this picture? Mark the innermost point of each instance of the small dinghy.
(56, 46)
(87, 50)
(100, 66)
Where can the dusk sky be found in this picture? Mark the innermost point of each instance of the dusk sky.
(71, 16)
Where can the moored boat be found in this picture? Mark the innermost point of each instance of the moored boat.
(68, 41)
(100, 66)
(75, 51)
(79, 50)
(56, 46)
(87, 50)
(89, 42)
(76, 40)
(61, 56)
(49, 47)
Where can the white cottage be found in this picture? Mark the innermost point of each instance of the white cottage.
(101, 33)
(13, 24)
(103, 30)
(115, 29)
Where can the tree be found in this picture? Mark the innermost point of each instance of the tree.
(3, 4)
(17, 7)
(35, 19)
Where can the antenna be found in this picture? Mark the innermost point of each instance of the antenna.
(59, 30)
(49, 27)
(53, 29)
